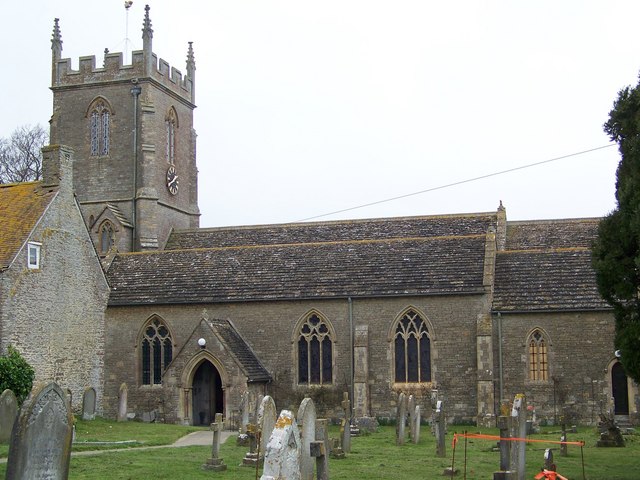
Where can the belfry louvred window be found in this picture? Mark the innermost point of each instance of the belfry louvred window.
(99, 124)
(157, 352)
(315, 352)
(412, 349)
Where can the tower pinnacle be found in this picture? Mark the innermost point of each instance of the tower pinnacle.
(147, 37)
(191, 71)
(56, 41)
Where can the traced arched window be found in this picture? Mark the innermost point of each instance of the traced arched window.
(99, 123)
(171, 124)
(315, 351)
(157, 352)
(412, 349)
(107, 237)
(538, 356)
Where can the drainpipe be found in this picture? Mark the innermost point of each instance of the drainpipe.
(135, 91)
(500, 356)
(351, 341)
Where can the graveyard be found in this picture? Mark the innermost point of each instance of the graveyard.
(298, 445)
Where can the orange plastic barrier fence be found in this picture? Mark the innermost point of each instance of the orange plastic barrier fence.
(510, 439)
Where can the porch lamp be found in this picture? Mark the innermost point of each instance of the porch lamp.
(202, 342)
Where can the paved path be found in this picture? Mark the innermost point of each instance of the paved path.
(201, 437)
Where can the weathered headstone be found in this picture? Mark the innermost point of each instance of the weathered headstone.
(518, 430)
(505, 444)
(307, 421)
(122, 403)
(317, 450)
(267, 416)
(216, 463)
(69, 395)
(89, 404)
(282, 457)
(411, 407)
(401, 419)
(8, 414)
(440, 425)
(322, 433)
(346, 432)
(244, 412)
(416, 424)
(41, 437)
(563, 438)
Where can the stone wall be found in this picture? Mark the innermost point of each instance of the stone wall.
(579, 355)
(54, 315)
(268, 327)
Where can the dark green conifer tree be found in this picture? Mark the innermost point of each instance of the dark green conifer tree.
(616, 252)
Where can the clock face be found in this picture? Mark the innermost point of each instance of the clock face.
(172, 180)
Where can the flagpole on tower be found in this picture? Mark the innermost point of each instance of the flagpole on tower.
(127, 6)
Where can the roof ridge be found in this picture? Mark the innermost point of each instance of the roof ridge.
(310, 244)
(546, 250)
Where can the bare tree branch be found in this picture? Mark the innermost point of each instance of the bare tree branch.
(21, 156)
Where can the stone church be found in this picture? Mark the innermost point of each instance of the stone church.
(468, 308)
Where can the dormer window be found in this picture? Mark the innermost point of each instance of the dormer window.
(33, 255)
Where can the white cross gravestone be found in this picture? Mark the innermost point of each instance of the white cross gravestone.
(41, 439)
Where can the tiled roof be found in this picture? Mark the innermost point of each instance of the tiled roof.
(21, 206)
(547, 266)
(337, 231)
(400, 266)
(250, 364)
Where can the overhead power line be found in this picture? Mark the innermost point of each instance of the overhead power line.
(460, 182)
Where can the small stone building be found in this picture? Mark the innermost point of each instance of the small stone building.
(53, 292)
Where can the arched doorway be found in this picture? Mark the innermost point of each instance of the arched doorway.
(620, 389)
(207, 396)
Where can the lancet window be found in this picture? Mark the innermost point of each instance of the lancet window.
(157, 352)
(315, 351)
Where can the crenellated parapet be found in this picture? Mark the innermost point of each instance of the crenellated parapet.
(114, 70)
(145, 65)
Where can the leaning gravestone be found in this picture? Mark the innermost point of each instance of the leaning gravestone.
(89, 404)
(122, 403)
(282, 458)
(41, 438)
(307, 419)
(8, 414)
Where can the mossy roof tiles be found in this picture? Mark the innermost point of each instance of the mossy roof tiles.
(328, 269)
(21, 207)
(547, 267)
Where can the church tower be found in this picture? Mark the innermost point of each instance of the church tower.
(131, 127)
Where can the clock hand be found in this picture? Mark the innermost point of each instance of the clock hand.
(175, 179)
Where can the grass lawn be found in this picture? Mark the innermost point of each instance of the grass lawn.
(373, 456)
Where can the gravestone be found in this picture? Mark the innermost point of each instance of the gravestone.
(267, 416)
(416, 423)
(244, 412)
(122, 403)
(518, 430)
(401, 419)
(322, 433)
(69, 394)
(439, 428)
(41, 437)
(411, 407)
(563, 438)
(505, 444)
(317, 451)
(307, 422)
(8, 414)
(282, 457)
(89, 404)
(346, 432)
(216, 463)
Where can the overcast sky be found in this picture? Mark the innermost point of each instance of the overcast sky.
(307, 108)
